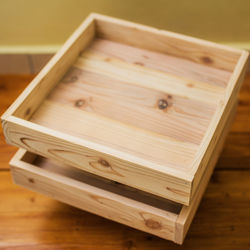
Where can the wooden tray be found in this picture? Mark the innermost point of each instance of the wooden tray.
(112, 200)
(130, 103)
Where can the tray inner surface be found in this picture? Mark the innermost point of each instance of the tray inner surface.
(102, 183)
(148, 104)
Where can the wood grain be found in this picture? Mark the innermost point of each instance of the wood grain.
(149, 78)
(127, 144)
(165, 42)
(161, 62)
(110, 199)
(104, 164)
(33, 221)
(183, 119)
(93, 195)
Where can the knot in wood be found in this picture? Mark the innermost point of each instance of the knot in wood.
(31, 180)
(162, 104)
(104, 163)
(153, 224)
(73, 78)
(79, 103)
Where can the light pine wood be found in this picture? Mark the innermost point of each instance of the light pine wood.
(161, 62)
(141, 36)
(93, 199)
(184, 120)
(223, 110)
(89, 126)
(187, 214)
(145, 77)
(108, 199)
(102, 164)
(168, 161)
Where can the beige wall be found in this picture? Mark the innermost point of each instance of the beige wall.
(43, 25)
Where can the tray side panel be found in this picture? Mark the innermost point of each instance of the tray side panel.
(69, 150)
(95, 200)
(188, 212)
(220, 117)
(141, 36)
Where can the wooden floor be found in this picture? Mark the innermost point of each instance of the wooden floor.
(32, 221)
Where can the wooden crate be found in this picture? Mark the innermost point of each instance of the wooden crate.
(109, 199)
(137, 105)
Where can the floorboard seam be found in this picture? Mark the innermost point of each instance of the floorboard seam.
(4, 169)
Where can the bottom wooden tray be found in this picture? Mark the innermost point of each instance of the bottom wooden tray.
(110, 199)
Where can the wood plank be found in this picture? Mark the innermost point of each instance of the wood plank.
(162, 62)
(149, 78)
(193, 49)
(183, 119)
(97, 159)
(89, 126)
(187, 214)
(51, 166)
(220, 118)
(94, 197)
(30, 220)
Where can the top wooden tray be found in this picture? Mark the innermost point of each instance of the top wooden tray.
(134, 104)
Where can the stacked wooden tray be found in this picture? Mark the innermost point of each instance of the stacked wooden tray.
(127, 122)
